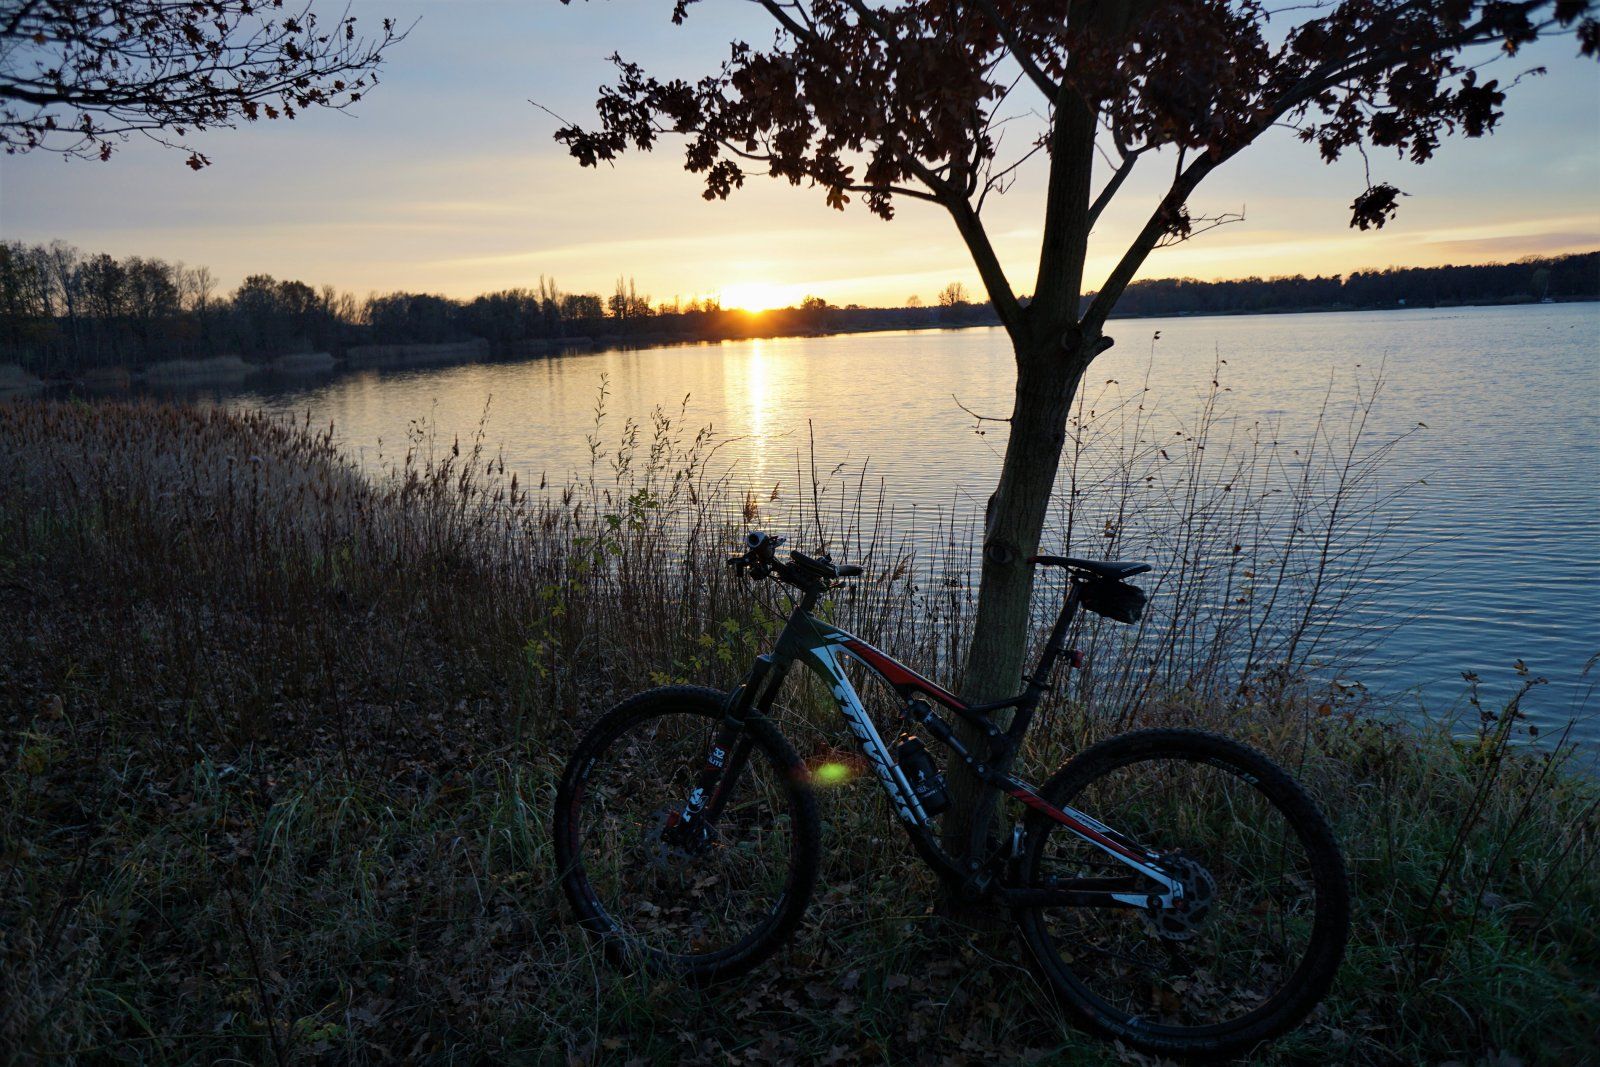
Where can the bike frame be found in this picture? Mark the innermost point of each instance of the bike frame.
(820, 646)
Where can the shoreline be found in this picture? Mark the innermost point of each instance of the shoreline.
(233, 370)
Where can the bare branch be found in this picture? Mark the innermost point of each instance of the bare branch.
(1155, 228)
(974, 414)
(897, 190)
(1198, 225)
(996, 180)
(802, 32)
(983, 255)
(1050, 89)
(1109, 192)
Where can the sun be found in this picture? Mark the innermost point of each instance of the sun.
(755, 296)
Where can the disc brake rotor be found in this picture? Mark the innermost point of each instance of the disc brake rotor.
(687, 843)
(1183, 920)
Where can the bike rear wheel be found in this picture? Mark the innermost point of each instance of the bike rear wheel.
(705, 906)
(1263, 932)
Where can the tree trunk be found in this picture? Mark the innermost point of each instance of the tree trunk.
(1052, 353)
(1048, 372)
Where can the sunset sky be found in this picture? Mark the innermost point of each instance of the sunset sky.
(445, 179)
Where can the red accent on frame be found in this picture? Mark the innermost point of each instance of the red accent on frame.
(899, 676)
(1033, 800)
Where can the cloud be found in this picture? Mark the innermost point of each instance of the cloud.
(1506, 248)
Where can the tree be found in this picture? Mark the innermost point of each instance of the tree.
(62, 264)
(80, 76)
(25, 293)
(104, 284)
(152, 298)
(272, 317)
(902, 100)
(626, 303)
(413, 318)
(953, 295)
(582, 308)
(953, 302)
(913, 301)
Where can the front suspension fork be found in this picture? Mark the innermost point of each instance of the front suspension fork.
(730, 751)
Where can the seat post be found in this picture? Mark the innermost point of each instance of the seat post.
(1058, 639)
(1039, 681)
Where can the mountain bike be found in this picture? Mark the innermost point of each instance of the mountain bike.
(1175, 889)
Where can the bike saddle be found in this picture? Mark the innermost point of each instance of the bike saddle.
(1100, 569)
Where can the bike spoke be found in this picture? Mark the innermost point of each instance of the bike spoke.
(715, 883)
(1245, 923)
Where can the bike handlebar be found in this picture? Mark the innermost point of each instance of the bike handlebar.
(805, 572)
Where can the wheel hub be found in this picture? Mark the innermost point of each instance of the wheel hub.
(668, 841)
(1182, 921)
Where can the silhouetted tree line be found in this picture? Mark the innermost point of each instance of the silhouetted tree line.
(62, 310)
(1573, 277)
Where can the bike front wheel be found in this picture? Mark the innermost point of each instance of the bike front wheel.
(705, 905)
(1262, 929)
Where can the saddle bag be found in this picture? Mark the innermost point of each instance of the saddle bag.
(1117, 601)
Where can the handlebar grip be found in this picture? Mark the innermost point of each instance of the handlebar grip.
(822, 567)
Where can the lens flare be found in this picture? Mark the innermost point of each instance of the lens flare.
(832, 773)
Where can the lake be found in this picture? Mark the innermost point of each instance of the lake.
(1489, 553)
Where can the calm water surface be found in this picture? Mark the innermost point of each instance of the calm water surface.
(1497, 557)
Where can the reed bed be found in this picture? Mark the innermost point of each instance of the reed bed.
(280, 739)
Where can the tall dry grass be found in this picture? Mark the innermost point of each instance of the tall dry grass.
(280, 739)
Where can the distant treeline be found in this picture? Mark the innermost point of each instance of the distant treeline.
(64, 311)
(1573, 277)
